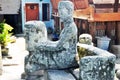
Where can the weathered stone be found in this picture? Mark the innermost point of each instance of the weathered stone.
(23, 75)
(85, 39)
(40, 75)
(53, 54)
(118, 74)
(99, 66)
(94, 68)
(115, 49)
(59, 75)
(35, 78)
(75, 72)
(35, 32)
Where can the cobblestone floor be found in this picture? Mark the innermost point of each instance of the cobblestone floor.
(13, 68)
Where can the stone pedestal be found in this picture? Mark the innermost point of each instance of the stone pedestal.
(60, 75)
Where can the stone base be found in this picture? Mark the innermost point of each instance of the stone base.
(60, 75)
(118, 74)
(38, 75)
(53, 75)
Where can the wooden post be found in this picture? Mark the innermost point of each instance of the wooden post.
(118, 33)
(1, 18)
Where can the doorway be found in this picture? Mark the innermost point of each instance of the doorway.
(32, 11)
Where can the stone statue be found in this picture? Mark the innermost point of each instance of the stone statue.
(59, 54)
(85, 39)
(35, 32)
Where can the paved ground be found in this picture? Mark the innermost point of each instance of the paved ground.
(13, 68)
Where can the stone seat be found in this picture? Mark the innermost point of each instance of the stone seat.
(96, 64)
(48, 55)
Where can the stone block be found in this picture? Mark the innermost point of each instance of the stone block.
(75, 72)
(38, 75)
(118, 74)
(59, 75)
(96, 68)
(115, 49)
(99, 66)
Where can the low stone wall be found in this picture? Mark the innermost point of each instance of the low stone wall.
(95, 63)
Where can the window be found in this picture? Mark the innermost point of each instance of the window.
(45, 12)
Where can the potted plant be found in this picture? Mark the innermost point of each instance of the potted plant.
(5, 37)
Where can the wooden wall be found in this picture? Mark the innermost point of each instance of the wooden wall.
(110, 29)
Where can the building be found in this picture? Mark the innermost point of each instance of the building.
(96, 17)
(37, 10)
(10, 12)
(17, 12)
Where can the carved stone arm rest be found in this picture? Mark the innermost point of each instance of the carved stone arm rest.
(96, 64)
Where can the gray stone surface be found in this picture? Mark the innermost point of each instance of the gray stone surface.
(115, 49)
(118, 74)
(40, 75)
(14, 72)
(59, 75)
(75, 72)
(100, 66)
(35, 32)
(85, 39)
(53, 54)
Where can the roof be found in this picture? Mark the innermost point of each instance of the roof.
(78, 4)
(9, 6)
(101, 10)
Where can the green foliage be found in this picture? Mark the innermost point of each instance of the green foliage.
(5, 33)
(82, 52)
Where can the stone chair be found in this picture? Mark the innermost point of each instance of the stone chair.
(95, 63)
(45, 54)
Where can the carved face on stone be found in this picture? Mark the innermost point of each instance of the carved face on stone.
(65, 10)
(85, 39)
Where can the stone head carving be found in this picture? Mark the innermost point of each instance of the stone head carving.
(65, 10)
(85, 39)
(35, 32)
